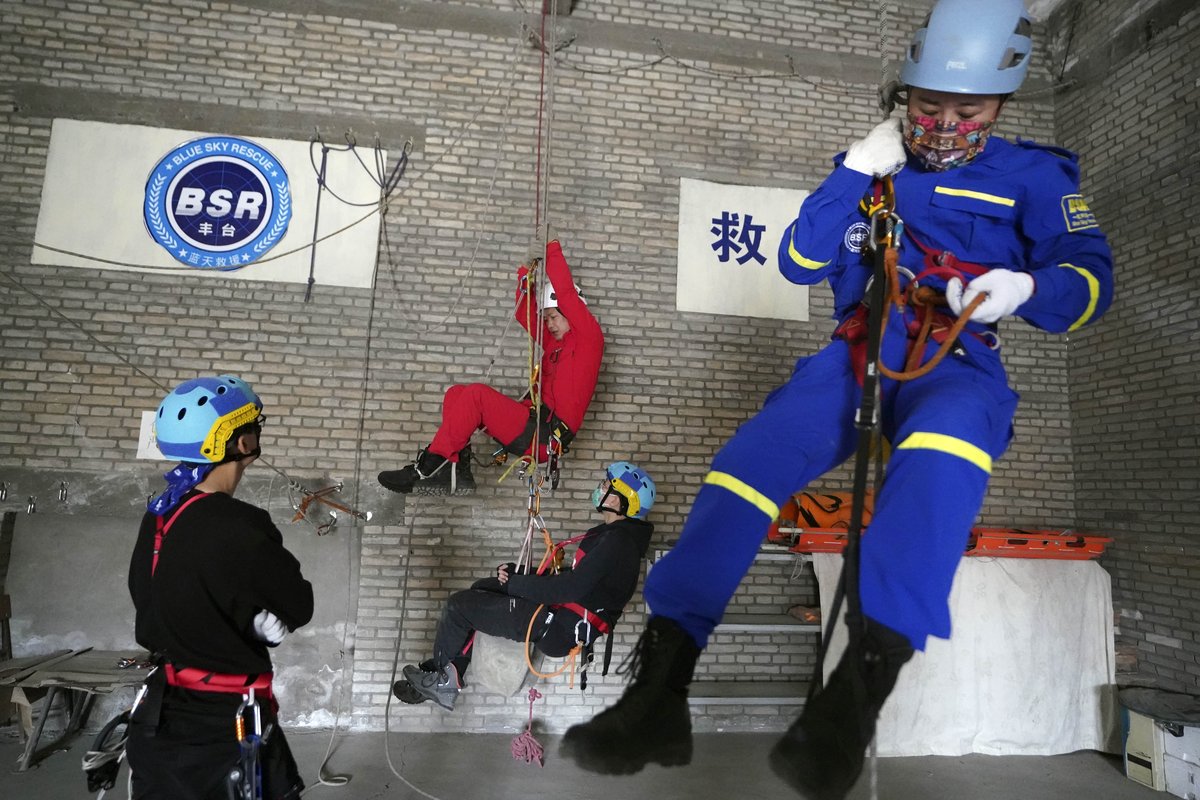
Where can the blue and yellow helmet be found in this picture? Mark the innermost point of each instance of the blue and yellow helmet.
(195, 421)
(634, 487)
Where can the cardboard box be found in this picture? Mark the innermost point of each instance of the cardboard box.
(1144, 749)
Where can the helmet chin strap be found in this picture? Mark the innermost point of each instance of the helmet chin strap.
(255, 453)
(600, 507)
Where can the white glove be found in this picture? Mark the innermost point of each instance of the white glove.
(269, 628)
(880, 152)
(1006, 291)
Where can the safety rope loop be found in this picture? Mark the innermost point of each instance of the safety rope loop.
(568, 663)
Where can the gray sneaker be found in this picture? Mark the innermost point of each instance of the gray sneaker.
(441, 686)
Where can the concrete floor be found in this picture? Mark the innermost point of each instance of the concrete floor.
(481, 767)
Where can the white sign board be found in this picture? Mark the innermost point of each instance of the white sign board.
(147, 447)
(135, 198)
(728, 241)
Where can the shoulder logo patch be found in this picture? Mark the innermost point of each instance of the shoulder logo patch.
(1076, 213)
(856, 236)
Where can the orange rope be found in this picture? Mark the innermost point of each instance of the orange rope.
(924, 298)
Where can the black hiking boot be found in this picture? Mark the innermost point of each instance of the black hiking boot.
(821, 755)
(429, 474)
(651, 722)
(465, 480)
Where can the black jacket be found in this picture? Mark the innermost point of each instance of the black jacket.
(603, 575)
(221, 562)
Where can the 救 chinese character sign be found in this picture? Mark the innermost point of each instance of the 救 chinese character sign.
(728, 238)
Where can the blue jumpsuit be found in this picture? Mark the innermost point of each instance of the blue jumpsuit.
(1015, 206)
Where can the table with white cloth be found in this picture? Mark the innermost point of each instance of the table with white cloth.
(1029, 670)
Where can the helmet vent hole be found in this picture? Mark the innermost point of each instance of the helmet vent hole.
(202, 401)
(221, 390)
(181, 414)
(1011, 58)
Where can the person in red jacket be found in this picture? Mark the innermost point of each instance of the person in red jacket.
(572, 347)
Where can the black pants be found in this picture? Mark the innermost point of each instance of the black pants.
(485, 608)
(182, 745)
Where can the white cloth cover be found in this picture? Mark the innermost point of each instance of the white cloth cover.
(1030, 669)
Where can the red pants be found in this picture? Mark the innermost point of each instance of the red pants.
(468, 407)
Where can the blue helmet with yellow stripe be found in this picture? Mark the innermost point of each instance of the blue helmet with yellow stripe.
(197, 420)
(631, 483)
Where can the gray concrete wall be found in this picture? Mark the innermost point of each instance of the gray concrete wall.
(1129, 107)
(68, 585)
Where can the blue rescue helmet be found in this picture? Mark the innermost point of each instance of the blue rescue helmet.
(971, 47)
(196, 421)
(632, 484)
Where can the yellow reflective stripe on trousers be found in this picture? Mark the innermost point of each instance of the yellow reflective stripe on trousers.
(948, 444)
(744, 491)
(1093, 296)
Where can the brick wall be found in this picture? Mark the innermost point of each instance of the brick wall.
(1129, 113)
(674, 385)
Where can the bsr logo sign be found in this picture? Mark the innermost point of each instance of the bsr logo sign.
(218, 202)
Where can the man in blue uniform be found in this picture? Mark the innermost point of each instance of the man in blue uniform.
(982, 217)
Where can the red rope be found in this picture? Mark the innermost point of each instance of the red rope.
(525, 746)
(537, 214)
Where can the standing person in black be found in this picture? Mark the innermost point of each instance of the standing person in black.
(213, 588)
(576, 605)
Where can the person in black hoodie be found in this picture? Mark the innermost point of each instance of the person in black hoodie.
(578, 604)
(213, 587)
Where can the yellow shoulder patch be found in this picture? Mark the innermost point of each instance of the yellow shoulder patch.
(1076, 213)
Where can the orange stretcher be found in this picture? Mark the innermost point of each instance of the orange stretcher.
(984, 542)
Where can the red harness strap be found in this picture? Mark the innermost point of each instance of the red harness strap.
(161, 528)
(199, 680)
(590, 616)
(936, 261)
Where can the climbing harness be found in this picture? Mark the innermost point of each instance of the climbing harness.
(321, 496)
(589, 626)
(928, 323)
(161, 528)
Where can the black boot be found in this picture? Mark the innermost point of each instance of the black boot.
(465, 480)
(426, 466)
(821, 755)
(651, 722)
